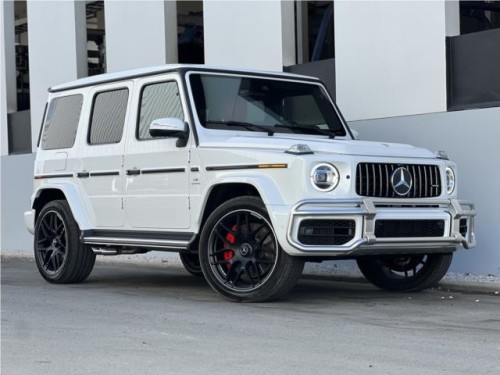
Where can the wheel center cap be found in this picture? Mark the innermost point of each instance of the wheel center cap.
(246, 249)
(54, 242)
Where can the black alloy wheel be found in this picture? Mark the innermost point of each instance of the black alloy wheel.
(404, 272)
(241, 256)
(59, 254)
(52, 242)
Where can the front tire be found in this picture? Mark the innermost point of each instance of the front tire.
(240, 255)
(405, 273)
(60, 256)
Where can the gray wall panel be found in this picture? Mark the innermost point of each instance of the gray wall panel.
(17, 187)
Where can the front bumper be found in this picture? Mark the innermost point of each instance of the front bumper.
(366, 211)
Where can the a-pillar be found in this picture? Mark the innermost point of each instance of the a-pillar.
(249, 34)
(8, 91)
(57, 50)
(140, 34)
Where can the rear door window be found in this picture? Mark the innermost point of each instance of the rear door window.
(61, 123)
(108, 117)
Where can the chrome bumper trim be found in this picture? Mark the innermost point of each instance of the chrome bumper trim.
(364, 212)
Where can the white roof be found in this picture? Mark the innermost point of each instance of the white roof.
(118, 76)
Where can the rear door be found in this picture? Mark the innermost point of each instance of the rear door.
(101, 174)
(157, 174)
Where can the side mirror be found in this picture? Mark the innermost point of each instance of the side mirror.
(355, 133)
(168, 127)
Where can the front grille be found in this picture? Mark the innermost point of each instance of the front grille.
(374, 180)
(326, 232)
(409, 228)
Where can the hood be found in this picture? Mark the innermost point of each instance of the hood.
(279, 142)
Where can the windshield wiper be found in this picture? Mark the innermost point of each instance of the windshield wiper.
(247, 125)
(305, 128)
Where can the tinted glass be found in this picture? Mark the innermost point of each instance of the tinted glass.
(61, 122)
(159, 100)
(108, 117)
(257, 104)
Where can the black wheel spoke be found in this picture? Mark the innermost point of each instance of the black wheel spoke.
(219, 262)
(247, 219)
(237, 277)
(219, 251)
(225, 227)
(250, 276)
(220, 236)
(261, 241)
(229, 271)
(257, 272)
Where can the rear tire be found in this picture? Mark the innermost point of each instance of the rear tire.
(60, 256)
(240, 255)
(191, 263)
(405, 273)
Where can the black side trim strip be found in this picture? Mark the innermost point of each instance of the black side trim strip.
(195, 169)
(146, 235)
(62, 175)
(83, 175)
(133, 172)
(99, 174)
(164, 170)
(249, 166)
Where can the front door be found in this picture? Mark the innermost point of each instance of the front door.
(157, 173)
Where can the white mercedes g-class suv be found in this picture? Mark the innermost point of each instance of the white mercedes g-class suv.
(246, 174)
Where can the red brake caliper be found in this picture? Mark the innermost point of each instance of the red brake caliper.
(229, 254)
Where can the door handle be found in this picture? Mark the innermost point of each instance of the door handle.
(83, 175)
(133, 172)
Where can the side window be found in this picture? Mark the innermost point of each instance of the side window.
(159, 100)
(108, 117)
(61, 122)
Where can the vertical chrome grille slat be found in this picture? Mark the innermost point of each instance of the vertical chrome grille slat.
(420, 181)
(367, 180)
(374, 180)
(431, 180)
(426, 183)
(381, 192)
(387, 180)
(415, 181)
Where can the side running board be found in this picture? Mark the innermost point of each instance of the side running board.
(157, 240)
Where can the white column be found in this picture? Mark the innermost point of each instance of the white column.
(140, 34)
(57, 39)
(249, 34)
(390, 58)
(8, 88)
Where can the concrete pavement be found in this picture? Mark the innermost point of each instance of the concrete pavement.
(152, 319)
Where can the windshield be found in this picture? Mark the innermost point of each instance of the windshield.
(259, 104)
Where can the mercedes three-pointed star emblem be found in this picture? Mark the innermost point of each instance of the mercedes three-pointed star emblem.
(401, 181)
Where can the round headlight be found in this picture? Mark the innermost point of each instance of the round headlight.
(450, 180)
(325, 177)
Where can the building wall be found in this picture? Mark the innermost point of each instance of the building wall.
(140, 33)
(17, 187)
(57, 51)
(471, 140)
(250, 34)
(390, 58)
